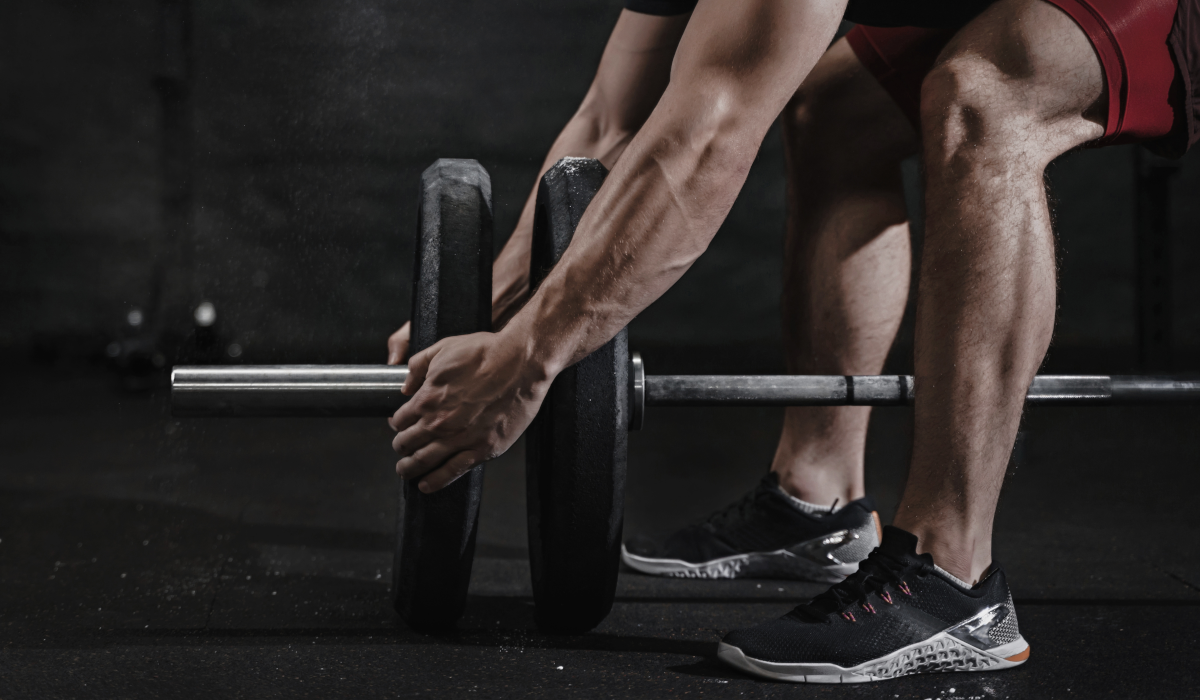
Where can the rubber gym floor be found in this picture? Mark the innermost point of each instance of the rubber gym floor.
(144, 556)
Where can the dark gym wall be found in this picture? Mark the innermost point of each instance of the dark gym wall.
(312, 122)
(78, 155)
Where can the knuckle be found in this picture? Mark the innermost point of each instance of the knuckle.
(412, 467)
(440, 421)
(491, 448)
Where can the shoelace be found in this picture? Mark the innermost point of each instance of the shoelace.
(738, 510)
(873, 576)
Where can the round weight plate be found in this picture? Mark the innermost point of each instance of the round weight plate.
(576, 447)
(452, 288)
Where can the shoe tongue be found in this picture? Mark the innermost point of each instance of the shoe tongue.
(900, 545)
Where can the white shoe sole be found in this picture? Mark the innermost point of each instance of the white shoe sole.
(939, 654)
(777, 564)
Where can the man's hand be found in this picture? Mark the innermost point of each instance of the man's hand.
(472, 397)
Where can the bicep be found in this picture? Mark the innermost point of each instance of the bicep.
(752, 54)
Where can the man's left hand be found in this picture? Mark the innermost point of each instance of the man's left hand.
(472, 397)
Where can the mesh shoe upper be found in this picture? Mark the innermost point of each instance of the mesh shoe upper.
(895, 599)
(764, 520)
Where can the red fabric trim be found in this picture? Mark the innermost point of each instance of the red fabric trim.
(1112, 62)
(1145, 88)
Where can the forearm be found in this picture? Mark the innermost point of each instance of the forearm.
(633, 73)
(658, 211)
(585, 136)
(667, 196)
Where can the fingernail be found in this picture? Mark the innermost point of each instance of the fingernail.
(424, 486)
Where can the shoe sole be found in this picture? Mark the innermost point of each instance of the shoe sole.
(940, 653)
(778, 564)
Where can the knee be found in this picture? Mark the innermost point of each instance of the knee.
(999, 112)
(810, 121)
(830, 129)
(972, 114)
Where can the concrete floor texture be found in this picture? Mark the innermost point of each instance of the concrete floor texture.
(147, 556)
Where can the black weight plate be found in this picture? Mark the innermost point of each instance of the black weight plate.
(452, 290)
(576, 447)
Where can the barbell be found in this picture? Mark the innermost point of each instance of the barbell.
(374, 390)
(576, 447)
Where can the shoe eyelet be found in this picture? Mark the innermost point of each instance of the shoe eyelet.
(868, 607)
(905, 589)
(887, 597)
(849, 616)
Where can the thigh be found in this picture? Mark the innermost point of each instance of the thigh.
(1131, 39)
(899, 58)
(1028, 58)
(842, 108)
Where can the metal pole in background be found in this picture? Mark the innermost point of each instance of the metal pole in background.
(174, 288)
(1152, 216)
(160, 331)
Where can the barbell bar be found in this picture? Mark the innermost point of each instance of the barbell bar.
(374, 390)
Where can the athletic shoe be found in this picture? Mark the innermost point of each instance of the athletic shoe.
(898, 615)
(766, 534)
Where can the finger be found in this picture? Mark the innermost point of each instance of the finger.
(418, 366)
(425, 460)
(398, 344)
(411, 439)
(405, 417)
(449, 472)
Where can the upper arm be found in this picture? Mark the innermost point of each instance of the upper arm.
(634, 70)
(748, 57)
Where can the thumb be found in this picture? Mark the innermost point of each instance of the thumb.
(418, 367)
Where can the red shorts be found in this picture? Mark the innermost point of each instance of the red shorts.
(1145, 89)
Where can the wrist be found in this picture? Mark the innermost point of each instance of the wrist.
(544, 355)
(507, 298)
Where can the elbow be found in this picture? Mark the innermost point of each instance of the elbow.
(732, 125)
(604, 128)
(715, 139)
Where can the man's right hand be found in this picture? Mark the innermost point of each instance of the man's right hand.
(398, 344)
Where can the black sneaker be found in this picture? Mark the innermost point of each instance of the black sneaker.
(896, 616)
(763, 535)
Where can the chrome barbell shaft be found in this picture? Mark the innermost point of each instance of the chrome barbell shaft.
(374, 390)
(898, 390)
(288, 390)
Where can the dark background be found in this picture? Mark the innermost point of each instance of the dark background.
(310, 124)
(274, 173)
